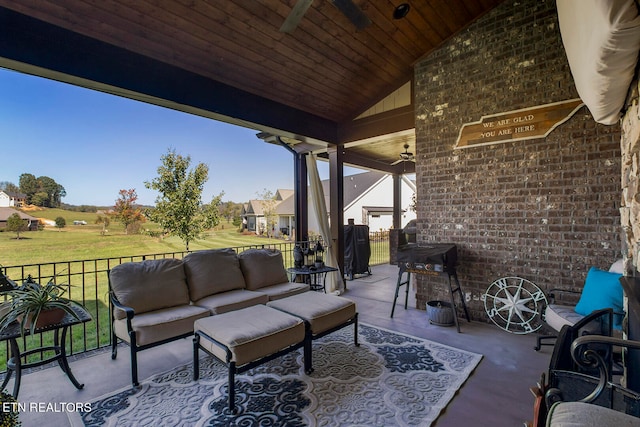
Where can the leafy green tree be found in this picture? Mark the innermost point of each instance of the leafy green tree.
(60, 223)
(105, 221)
(17, 224)
(127, 211)
(28, 185)
(42, 191)
(230, 210)
(55, 192)
(179, 209)
(40, 199)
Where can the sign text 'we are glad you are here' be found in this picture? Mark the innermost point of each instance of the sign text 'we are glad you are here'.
(528, 123)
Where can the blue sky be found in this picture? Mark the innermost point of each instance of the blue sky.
(95, 144)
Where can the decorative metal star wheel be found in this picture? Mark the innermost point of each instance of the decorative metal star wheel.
(515, 304)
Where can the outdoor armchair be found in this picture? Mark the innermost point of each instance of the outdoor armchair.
(595, 400)
(602, 290)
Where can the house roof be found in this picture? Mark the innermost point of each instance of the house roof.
(5, 213)
(253, 207)
(287, 206)
(283, 194)
(14, 195)
(355, 186)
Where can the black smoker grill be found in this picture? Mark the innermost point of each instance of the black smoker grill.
(357, 250)
(429, 259)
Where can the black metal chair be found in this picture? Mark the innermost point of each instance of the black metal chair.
(598, 399)
(598, 323)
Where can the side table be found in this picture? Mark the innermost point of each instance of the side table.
(15, 364)
(315, 277)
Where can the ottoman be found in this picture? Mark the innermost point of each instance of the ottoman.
(246, 338)
(322, 315)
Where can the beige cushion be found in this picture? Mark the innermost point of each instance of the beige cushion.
(250, 333)
(284, 290)
(232, 300)
(262, 267)
(149, 285)
(212, 271)
(578, 414)
(161, 324)
(556, 316)
(322, 311)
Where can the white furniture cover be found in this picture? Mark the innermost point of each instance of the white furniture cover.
(602, 40)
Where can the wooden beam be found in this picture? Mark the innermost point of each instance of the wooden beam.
(389, 122)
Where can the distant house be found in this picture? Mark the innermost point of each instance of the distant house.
(367, 200)
(11, 199)
(253, 213)
(30, 221)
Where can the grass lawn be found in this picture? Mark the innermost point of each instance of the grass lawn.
(77, 242)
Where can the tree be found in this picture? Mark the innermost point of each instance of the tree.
(60, 223)
(28, 185)
(179, 209)
(41, 191)
(9, 186)
(230, 210)
(55, 192)
(39, 198)
(105, 221)
(126, 211)
(17, 224)
(269, 202)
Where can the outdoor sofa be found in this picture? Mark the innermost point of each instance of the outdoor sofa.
(158, 301)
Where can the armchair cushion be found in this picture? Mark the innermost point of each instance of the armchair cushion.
(602, 289)
(579, 414)
(262, 267)
(557, 315)
(149, 285)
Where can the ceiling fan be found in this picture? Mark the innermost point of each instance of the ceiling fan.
(405, 156)
(347, 7)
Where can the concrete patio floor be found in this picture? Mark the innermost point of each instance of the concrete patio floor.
(496, 394)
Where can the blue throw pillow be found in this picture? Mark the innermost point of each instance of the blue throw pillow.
(602, 289)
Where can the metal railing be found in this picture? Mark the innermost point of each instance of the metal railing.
(86, 282)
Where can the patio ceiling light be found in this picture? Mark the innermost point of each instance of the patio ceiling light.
(401, 11)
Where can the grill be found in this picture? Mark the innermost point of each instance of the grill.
(434, 259)
(429, 259)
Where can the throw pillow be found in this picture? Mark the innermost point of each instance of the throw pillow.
(602, 289)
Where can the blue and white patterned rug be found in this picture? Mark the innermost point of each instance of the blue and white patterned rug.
(390, 380)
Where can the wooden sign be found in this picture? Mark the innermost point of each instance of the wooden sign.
(528, 123)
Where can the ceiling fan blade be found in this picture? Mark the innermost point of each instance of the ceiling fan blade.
(353, 13)
(396, 162)
(296, 14)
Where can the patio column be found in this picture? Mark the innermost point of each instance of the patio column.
(336, 203)
(397, 201)
(301, 197)
(300, 188)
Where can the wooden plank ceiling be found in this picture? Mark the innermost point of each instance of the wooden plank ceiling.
(325, 66)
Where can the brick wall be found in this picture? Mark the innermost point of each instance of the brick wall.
(543, 209)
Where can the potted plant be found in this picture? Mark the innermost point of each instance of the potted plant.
(35, 306)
